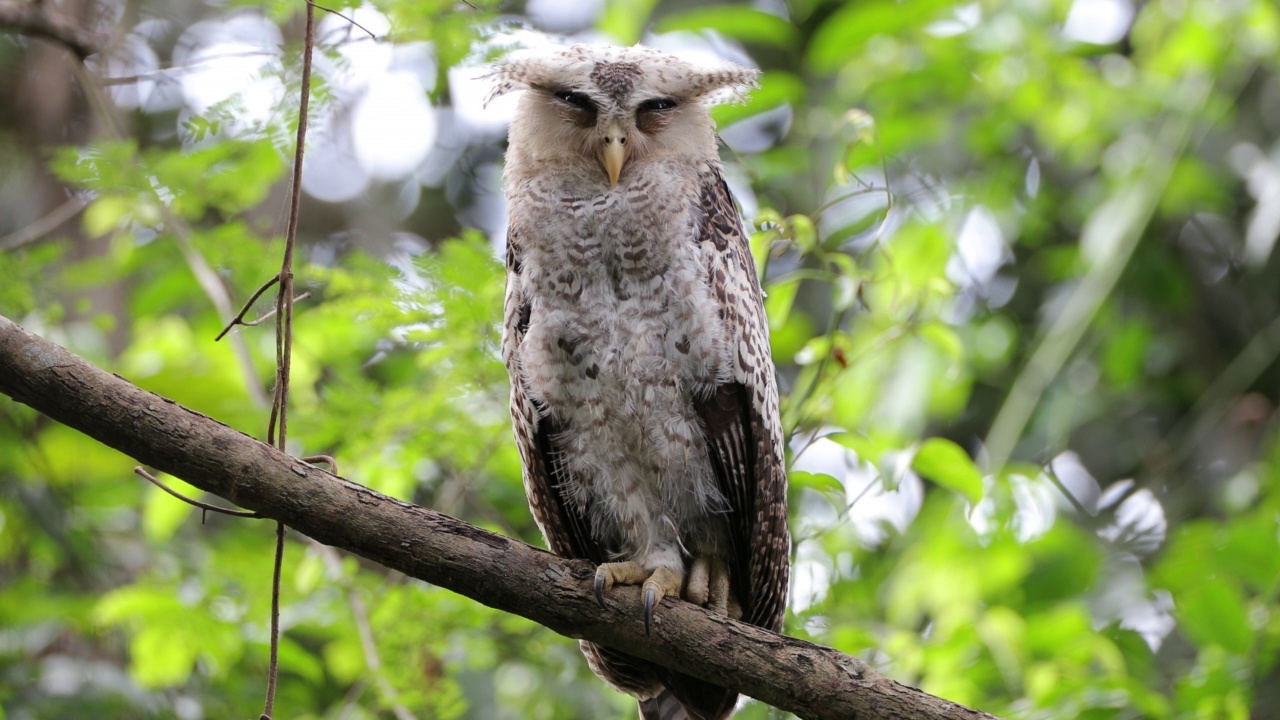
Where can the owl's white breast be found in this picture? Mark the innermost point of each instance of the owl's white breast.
(623, 332)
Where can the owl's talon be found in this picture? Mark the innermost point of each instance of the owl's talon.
(663, 582)
(655, 584)
(621, 573)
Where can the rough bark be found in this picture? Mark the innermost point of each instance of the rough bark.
(809, 680)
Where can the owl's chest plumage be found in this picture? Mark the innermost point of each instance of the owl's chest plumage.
(623, 333)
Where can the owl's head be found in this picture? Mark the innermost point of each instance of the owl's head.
(613, 106)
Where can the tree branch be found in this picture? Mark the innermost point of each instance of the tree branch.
(809, 680)
(43, 20)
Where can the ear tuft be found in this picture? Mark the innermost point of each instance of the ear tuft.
(506, 75)
(728, 84)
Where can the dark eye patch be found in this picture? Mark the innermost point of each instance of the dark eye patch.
(576, 99)
(658, 105)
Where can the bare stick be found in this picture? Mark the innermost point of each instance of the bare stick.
(203, 506)
(284, 340)
(273, 673)
(331, 11)
(239, 318)
(271, 313)
(326, 459)
(46, 224)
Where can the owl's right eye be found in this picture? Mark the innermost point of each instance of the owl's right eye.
(576, 99)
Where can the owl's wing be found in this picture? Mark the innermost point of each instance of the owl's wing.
(744, 438)
(740, 415)
(565, 526)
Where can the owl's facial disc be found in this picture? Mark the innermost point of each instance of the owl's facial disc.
(613, 150)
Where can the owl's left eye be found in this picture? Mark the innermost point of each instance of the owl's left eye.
(576, 99)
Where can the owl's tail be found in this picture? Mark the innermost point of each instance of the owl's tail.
(715, 703)
(664, 706)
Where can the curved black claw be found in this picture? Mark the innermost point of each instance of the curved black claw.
(649, 598)
(600, 591)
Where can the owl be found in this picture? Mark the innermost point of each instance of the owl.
(642, 390)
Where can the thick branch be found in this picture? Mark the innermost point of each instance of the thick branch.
(44, 20)
(807, 679)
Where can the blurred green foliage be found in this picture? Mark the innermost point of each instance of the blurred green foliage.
(1023, 300)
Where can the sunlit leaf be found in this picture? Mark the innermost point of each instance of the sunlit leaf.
(105, 214)
(946, 464)
(163, 655)
(820, 482)
(945, 339)
(775, 88)
(741, 23)
(623, 20)
(853, 24)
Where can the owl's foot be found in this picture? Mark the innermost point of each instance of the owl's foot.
(655, 584)
(709, 584)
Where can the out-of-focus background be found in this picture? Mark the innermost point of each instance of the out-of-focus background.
(1024, 295)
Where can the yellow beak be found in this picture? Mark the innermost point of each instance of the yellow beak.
(614, 154)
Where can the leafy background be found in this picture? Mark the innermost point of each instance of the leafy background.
(1020, 258)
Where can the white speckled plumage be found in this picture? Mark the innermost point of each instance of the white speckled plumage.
(643, 394)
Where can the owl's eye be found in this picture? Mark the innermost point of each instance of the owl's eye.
(657, 105)
(576, 99)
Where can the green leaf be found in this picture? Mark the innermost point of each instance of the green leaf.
(344, 658)
(1213, 613)
(1251, 551)
(1125, 353)
(740, 23)
(945, 339)
(1065, 559)
(821, 482)
(777, 305)
(624, 20)
(840, 38)
(163, 654)
(947, 464)
(105, 215)
(868, 447)
(298, 660)
(776, 88)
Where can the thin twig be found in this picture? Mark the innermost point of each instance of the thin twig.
(1052, 474)
(1209, 409)
(161, 74)
(46, 224)
(331, 11)
(284, 341)
(271, 313)
(326, 459)
(284, 298)
(272, 672)
(239, 318)
(203, 506)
